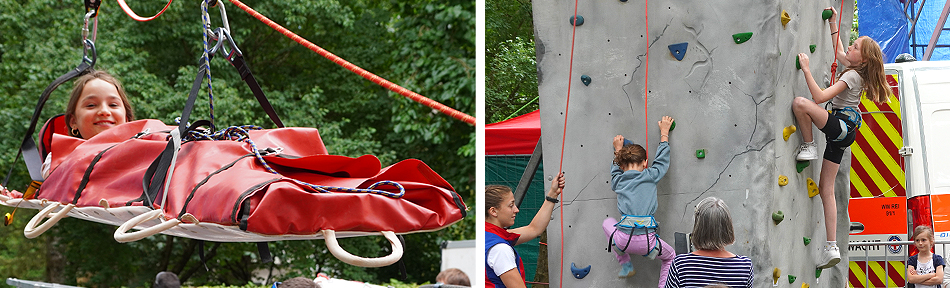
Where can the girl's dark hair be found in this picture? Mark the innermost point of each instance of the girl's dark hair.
(494, 194)
(630, 154)
(81, 84)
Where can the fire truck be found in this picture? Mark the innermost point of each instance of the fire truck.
(900, 172)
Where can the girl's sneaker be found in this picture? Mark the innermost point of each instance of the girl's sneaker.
(829, 257)
(626, 270)
(808, 151)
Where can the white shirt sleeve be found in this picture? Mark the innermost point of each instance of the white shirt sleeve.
(501, 258)
(46, 163)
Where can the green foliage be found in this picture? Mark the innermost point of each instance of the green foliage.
(511, 79)
(423, 45)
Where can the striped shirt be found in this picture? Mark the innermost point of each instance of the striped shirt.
(694, 271)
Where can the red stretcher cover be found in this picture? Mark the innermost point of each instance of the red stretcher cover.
(222, 182)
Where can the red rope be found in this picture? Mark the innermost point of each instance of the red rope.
(564, 137)
(834, 65)
(646, 77)
(356, 69)
(125, 7)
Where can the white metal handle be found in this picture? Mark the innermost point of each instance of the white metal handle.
(32, 231)
(346, 257)
(123, 236)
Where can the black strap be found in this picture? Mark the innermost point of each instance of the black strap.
(402, 264)
(264, 252)
(28, 148)
(245, 71)
(154, 179)
(201, 254)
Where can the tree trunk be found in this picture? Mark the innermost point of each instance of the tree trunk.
(55, 260)
(541, 275)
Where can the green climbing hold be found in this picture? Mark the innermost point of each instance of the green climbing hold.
(579, 22)
(673, 126)
(817, 272)
(825, 15)
(740, 38)
(812, 47)
(791, 279)
(700, 153)
(778, 216)
(797, 64)
(806, 240)
(801, 165)
(585, 79)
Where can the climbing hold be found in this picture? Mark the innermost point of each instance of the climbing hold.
(740, 38)
(791, 279)
(804, 285)
(801, 165)
(627, 142)
(776, 273)
(579, 22)
(788, 131)
(678, 50)
(797, 63)
(785, 18)
(579, 273)
(817, 272)
(778, 216)
(782, 180)
(825, 14)
(673, 126)
(812, 47)
(701, 153)
(585, 79)
(812, 188)
(806, 240)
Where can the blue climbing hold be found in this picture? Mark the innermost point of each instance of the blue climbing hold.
(627, 142)
(579, 273)
(678, 50)
(585, 79)
(579, 22)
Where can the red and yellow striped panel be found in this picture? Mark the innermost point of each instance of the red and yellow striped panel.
(877, 169)
(858, 278)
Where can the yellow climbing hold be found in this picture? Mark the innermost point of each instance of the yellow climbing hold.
(777, 273)
(782, 180)
(785, 18)
(812, 188)
(788, 131)
(804, 285)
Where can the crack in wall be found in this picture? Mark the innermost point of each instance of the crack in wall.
(635, 69)
(582, 190)
(724, 171)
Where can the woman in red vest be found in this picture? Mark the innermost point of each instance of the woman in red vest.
(503, 267)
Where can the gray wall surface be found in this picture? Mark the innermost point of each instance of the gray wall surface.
(733, 100)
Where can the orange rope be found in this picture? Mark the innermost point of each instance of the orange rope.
(356, 69)
(560, 167)
(125, 7)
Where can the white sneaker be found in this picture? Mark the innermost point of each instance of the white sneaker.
(808, 151)
(829, 257)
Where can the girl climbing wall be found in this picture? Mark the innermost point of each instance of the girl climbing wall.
(864, 72)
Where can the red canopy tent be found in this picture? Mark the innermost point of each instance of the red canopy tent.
(515, 136)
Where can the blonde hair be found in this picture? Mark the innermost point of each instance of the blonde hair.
(924, 229)
(872, 71)
(494, 194)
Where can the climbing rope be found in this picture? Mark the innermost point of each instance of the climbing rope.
(206, 25)
(128, 11)
(834, 65)
(356, 69)
(240, 134)
(564, 138)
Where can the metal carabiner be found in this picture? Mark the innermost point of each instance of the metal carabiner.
(85, 25)
(224, 35)
(224, 13)
(87, 47)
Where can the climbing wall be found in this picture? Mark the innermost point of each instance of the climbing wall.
(628, 64)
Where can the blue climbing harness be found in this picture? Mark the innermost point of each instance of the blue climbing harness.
(633, 222)
(847, 114)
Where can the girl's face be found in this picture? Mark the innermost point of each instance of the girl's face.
(507, 212)
(923, 242)
(854, 52)
(99, 108)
